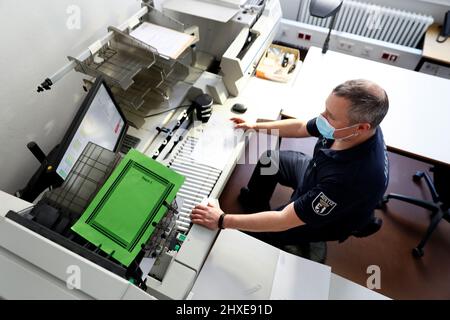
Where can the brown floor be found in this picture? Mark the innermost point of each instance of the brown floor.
(402, 275)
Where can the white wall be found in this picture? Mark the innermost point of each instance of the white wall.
(35, 43)
(435, 8)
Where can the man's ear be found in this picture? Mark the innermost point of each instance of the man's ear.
(364, 126)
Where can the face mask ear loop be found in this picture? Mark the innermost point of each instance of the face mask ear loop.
(353, 134)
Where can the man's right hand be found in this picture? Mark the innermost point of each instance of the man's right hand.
(242, 124)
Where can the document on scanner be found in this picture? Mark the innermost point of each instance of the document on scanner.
(217, 142)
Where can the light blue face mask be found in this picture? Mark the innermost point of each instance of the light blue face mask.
(327, 130)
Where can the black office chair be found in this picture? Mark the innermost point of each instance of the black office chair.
(439, 207)
(317, 251)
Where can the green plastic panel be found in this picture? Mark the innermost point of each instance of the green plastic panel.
(124, 213)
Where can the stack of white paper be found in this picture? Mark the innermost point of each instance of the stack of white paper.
(168, 42)
(217, 143)
(299, 278)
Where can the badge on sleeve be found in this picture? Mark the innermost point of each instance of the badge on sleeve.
(322, 205)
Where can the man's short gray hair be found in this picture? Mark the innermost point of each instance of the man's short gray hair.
(369, 102)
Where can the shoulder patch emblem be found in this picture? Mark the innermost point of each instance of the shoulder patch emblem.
(322, 205)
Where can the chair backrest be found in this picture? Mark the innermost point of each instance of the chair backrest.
(441, 176)
(317, 250)
(370, 228)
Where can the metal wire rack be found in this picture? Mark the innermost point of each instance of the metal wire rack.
(88, 174)
(142, 80)
(119, 60)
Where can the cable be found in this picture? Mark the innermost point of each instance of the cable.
(161, 112)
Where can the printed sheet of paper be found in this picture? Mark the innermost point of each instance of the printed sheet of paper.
(294, 277)
(217, 142)
(168, 42)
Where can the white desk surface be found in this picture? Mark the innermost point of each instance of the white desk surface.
(240, 267)
(419, 104)
(264, 99)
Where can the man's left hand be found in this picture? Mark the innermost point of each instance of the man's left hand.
(207, 216)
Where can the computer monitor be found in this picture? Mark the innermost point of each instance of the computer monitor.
(98, 120)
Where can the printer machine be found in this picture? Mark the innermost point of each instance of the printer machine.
(220, 62)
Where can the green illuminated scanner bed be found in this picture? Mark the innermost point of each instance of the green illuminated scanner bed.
(124, 213)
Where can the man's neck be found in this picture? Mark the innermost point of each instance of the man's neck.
(352, 142)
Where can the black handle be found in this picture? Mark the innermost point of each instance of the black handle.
(36, 151)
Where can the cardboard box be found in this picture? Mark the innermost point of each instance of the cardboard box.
(278, 63)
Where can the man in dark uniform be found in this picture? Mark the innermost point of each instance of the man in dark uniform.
(335, 191)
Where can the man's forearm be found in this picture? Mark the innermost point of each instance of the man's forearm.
(267, 221)
(289, 128)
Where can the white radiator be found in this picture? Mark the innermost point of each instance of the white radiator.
(373, 21)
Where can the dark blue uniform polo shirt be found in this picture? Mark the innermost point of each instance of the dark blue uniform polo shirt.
(342, 188)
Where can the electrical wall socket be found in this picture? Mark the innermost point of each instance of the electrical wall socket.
(389, 56)
(366, 51)
(346, 45)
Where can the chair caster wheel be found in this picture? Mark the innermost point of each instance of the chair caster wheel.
(417, 176)
(417, 253)
(381, 205)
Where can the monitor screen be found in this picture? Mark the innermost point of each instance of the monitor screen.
(99, 120)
